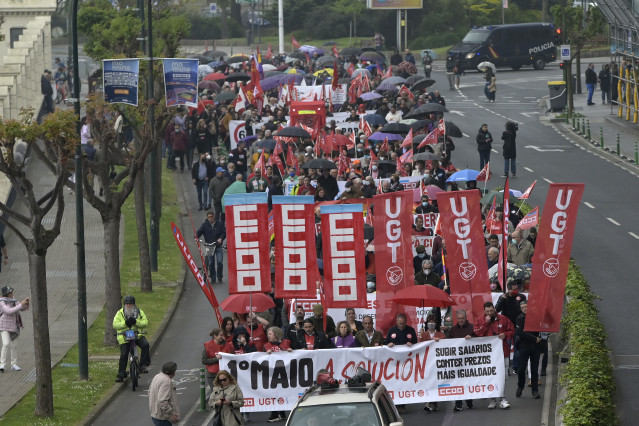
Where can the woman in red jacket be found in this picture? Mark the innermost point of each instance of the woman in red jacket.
(211, 354)
(276, 343)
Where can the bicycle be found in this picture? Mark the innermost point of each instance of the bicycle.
(60, 92)
(209, 252)
(130, 336)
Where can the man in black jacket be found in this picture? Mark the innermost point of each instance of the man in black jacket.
(508, 306)
(529, 343)
(401, 334)
(214, 233)
(201, 172)
(310, 339)
(47, 91)
(591, 81)
(462, 330)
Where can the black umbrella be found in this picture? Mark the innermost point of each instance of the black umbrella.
(215, 53)
(297, 55)
(420, 124)
(375, 119)
(238, 76)
(326, 60)
(397, 128)
(387, 167)
(372, 57)
(414, 79)
(319, 163)
(225, 96)
(426, 156)
(268, 74)
(452, 130)
(351, 51)
(425, 109)
(267, 143)
(422, 83)
(237, 58)
(201, 58)
(293, 132)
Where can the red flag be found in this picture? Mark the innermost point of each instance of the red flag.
(530, 220)
(441, 127)
(430, 139)
(248, 241)
(526, 194)
(296, 273)
(373, 160)
(277, 159)
(208, 292)
(408, 141)
(552, 257)
(291, 160)
(405, 157)
(335, 78)
(502, 273)
(405, 90)
(344, 253)
(351, 69)
(460, 217)
(393, 252)
(294, 42)
(365, 127)
(342, 163)
(384, 146)
(389, 72)
(484, 174)
(399, 167)
(335, 52)
(269, 52)
(490, 218)
(261, 164)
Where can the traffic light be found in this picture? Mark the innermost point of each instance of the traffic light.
(558, 37)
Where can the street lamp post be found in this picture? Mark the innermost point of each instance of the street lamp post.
(153, 156)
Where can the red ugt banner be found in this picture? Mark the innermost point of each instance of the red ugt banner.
(552, 256)
(393, 252)
(247, 241)
(344, 256)
(466, 263)
(296, 273)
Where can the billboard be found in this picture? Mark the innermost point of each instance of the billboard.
(394, 4)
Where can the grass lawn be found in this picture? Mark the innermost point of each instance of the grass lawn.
(73, 399)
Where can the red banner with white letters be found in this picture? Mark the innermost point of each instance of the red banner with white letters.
(552, 257)
(393, 251)
(344, 256)
(248, 243)
(466, 263)
(296, 273)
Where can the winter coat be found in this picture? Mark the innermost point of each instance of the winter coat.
(10, 319)
(119, 323)
(217, 186)
(604, 80)
(343, 342)
(178, 140)
(501, 325)
(510, 149)
(231, 414)
(484, 140)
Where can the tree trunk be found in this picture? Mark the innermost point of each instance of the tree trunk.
(39, 305)
(544, 11)
(146, 285)
(113, 290)
(224, 24)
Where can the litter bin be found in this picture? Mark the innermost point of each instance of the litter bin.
(558, 95)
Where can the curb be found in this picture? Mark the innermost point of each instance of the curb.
(116, 389)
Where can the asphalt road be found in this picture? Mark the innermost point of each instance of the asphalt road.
(602, 245)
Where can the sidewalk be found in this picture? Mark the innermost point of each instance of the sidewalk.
(61, 284)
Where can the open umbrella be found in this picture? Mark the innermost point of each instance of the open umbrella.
(238, 76)
(362, 71)
(426, 156)
(226, 95)
(271, 82)
(426, 109)
(201, 58)
(452, 130)
(379, 136)
(375, 119)
(483, 65)
(324, 72)
(432, 191)
(490, 196)
(203, 71)
(311, 49)
(267, 143)
(249, 138)
(397, 128)
(423, 83)
(208, 85)
(214, 53)
(395, 80)
(463, 176)
(236, 59)
(294, 71)
(386, 85)
(372, 57)
(268, 67)
(423, 296)
(297, 56)
(247, 302)
(214, 76)
(369, 96)
(407, 67)
(325, 60)
(319, 163)
(351, 51)
(268, 74)
(419, 124)
(293, 132)
(414, 79)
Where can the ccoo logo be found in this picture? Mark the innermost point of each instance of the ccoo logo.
(467, 270)
(551, 267)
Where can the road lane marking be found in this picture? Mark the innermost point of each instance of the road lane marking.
(614, 222)
(634, 235)
(589, 205)
(529, 169)
(548, 180)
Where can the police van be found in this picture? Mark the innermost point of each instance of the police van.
(510, 45)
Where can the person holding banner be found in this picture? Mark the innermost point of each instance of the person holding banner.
(310, 339)
(462, 330)
(432, 332)
(493, 324)
(344, 338)
(276, 343)
(211, 354)
(242, 343)
(369, 337)
(401, 334)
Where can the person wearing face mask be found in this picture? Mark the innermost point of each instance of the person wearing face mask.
(425, 206)
(201, 173)
(493, 324)
(462, 330)
(427, 276)
(291, 178)
(419, 258)
(508, 305)
(431, 332)
(369, 189)
(520, 251)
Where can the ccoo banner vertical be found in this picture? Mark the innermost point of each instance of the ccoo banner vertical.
(248, 243)
(344, 256)
(296, 273)
(393, 251)
(466, 260)
(552, 257)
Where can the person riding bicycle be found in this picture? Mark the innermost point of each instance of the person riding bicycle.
(130, 317)
(214, 232)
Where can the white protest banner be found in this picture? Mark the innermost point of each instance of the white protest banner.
(447, 370)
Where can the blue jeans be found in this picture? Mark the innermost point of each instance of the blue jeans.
(158, 422)
(591, 90)
(513, 166)
(484, 157)
(202, 188)
(218, 257)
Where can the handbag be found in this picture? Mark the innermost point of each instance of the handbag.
(217, 417)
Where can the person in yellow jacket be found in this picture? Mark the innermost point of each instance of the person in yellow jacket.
(130, 317)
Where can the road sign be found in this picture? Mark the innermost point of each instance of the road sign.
(213, 8)
(565, 52)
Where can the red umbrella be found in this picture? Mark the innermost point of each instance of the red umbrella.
(423, 295)
(209, 85)
(338, 139)
(214, 76)
(247, 302)
(432, 191)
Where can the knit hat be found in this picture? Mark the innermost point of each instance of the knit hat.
(6, 290)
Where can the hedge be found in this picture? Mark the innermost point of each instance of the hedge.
(587, 376)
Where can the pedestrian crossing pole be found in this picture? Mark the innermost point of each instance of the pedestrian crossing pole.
(588, 130)
(618, 145)
(636, 154)
(202, 391)
(601, 140)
